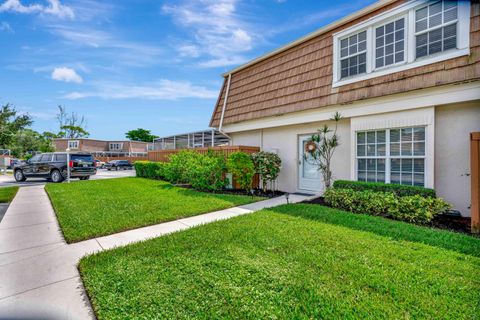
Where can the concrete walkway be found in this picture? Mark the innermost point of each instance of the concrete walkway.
(38, 270)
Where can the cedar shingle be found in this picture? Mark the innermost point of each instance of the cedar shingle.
(300, 78)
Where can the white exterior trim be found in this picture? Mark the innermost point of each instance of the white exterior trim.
(75, 142)
(407, 11)
(404, 66)
(410, 118)
(404, 101)
(120, 145)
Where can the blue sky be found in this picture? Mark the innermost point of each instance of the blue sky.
(140, 63)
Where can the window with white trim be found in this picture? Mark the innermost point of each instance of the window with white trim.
(436, 28)
(115, 146)
(73, 144)
(392, 156)
(413, 34)
(390, 43)
(353, 54)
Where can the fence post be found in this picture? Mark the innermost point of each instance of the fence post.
(475, 178)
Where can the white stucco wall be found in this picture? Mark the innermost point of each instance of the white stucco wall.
(450, 126)
(284, 140)
(453, 125)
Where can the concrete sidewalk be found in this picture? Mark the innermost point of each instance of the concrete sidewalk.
(38, 270)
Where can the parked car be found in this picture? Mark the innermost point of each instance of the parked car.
(118, 165)
(99, 164)
(53, 166)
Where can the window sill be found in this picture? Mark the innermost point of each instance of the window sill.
(418, 63)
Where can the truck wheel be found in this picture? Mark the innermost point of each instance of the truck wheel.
(56, 176)
(85, 178)
(19, 176)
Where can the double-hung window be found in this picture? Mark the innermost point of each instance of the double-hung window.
(436, 28)
(392, 156)
(73, 144)
(354, 54)
(390, 43)
(115, 146)
(411, 35)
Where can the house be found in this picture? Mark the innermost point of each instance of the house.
(405, 75)
(103, 147)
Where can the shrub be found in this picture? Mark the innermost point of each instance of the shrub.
(398, 189)
(240, 165)
(149, 169)
(206, 172)
(267, 165)
(408, 208)
(417, 208)
(178, 167)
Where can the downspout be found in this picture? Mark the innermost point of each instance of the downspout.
(224, 107)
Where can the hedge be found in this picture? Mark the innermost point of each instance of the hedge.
(397, 189)
(151, 170)
(414, 208)
(202, 171)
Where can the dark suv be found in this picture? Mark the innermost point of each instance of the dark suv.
(53, 166)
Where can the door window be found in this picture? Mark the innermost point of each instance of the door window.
(309, 169)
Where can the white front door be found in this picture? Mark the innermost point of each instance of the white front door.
(309, 178)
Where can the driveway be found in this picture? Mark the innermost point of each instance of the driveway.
(8, 180)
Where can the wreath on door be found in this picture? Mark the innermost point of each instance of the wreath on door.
(310, 146)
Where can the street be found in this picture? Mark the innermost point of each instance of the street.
(8, 180)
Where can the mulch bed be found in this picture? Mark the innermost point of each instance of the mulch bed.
(448, 221)
(241, 192)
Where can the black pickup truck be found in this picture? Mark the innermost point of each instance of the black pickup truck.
(53, 166)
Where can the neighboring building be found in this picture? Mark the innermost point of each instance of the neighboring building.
(198, 139)
(405, 75)
(102, 147)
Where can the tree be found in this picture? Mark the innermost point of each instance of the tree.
(10, 124)
(320, 148)
(140, 135)
(29, 140)
(71, 124)
(73, 132)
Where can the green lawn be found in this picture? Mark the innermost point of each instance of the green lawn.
(291, 262)
(7, 194)
(87, 209)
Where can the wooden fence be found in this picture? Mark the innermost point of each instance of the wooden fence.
(163, 156)
(475, 178)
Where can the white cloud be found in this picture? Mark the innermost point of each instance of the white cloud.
(5, 26)
(189, 50)
(223, 61)
(218, 31)
(59, 10)
(111, 47)
(161, 90)
(54, 8)
(66, 74)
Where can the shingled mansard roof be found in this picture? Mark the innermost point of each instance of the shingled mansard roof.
(298, 76)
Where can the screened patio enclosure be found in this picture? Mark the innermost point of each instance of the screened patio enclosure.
(198, 139)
